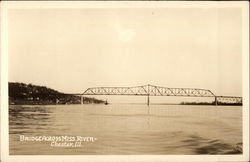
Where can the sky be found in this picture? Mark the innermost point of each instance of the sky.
(71, 50)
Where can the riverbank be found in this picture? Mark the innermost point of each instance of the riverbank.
(29, 94)
(211, 103)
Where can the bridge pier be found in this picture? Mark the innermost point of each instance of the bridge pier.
(148, 94)
(215, 100)
(81, 99)
(148, 101)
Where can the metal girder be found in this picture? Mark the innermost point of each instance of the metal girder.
(149, 90)
(229, 99)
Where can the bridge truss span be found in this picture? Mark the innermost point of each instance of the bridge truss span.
(149, 90)
(152, 90)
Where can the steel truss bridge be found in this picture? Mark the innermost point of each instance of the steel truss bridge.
(151, 90)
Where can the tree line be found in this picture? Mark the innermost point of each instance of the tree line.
(29, 94)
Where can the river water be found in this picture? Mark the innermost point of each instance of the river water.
(124, 129)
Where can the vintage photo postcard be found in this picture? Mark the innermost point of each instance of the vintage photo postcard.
(124, 81)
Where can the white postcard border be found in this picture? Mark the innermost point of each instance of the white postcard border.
(5, 6)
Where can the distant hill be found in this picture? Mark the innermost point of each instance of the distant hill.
(28, 94)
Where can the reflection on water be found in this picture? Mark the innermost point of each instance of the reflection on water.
(128, 129)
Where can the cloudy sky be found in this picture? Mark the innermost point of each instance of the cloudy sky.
(72, 49)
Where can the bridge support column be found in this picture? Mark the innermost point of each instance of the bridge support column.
(81, 99)
(148, 101)
(215, 100)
